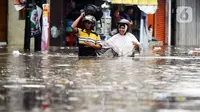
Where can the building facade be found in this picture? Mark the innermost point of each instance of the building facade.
(186, 22)
(13, 33)
(14, 27)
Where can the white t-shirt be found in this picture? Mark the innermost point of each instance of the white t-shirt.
(122, 44)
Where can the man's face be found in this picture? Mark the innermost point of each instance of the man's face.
(88, 25)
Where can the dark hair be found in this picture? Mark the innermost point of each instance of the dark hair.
(149, 27)
(114, 9)
(120, 25)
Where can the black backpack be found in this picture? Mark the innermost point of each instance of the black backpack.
(93, 10)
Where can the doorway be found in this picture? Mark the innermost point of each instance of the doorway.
(3, 20)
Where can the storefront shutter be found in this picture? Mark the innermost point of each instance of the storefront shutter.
(160, 21)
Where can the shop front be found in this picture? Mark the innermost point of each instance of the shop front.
(148, 17)
(64, 12)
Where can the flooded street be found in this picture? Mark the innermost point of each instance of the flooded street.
(60, 82)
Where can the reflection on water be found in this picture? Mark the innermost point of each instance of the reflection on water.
(60, 83)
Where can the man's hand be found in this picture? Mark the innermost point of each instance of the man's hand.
(82, 14)
(91, 44)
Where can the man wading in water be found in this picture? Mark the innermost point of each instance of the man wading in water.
(89, 41)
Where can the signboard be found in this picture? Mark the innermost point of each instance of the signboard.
(45, 28)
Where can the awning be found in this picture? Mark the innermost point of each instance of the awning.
(147, 6)
(135, 2)
(148, 9)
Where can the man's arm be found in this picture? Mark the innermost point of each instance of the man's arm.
(75, 23)
(96, 46)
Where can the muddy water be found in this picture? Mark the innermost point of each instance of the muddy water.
(60, 82)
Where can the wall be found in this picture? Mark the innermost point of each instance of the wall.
(15, 26)
(187, 33)
(3, 21)
(160, 21)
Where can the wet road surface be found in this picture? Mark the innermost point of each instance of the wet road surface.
(61, 82)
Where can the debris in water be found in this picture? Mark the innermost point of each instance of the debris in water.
(157, 48)
(195, 52)
(16, 53)
(73, 99)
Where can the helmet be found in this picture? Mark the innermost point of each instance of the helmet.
(93, 10)
(89, 18)
(123, 21)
